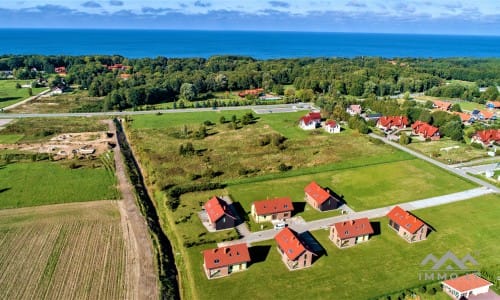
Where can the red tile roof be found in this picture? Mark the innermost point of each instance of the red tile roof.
(353, 228)
(442, 104)
(487, 114)
(250, 92)
(463, 116)
(488, 136)
(60, 70)
(424, 129)
(355, 108)
(317, 193)
(226, 256)
(311, 117)
(405, 219)
(216, 208)
(272, 206)
(289, 242)
(331, 123)
(467, 283)
(393, 121)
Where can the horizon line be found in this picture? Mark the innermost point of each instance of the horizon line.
(245, 30)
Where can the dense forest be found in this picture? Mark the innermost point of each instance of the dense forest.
(161, 79)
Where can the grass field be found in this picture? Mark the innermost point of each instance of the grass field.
(37, 129)
(384, 265)
(40, 183)
(363, 188)
(75, 101)
(230, 153)
(69, 251)
(448, 151)
(10, 95)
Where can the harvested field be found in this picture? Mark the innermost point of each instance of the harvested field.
(66, 251)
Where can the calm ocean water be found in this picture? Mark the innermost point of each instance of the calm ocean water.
(262, 45)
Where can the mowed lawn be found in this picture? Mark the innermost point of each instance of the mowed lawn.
(9, 94)
(385, 264)
(67, 251)
(40, 183)
(362, 187)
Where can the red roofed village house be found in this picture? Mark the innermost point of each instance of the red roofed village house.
(465, 286)
(272, 209)
(354, 109)
(256, 92)
(332, 127)
(407, 225)
(310, 121)
(493, 104)
(425, 130)
(294, 252)
(223, 261)
(219, 214)
(349, 233)
(60, 70)
(486, 137)
(393, 122)
(320, 198)
(441, 105)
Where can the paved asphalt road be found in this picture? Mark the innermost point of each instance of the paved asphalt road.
(257, 108)
(480, 168)
(459, 172)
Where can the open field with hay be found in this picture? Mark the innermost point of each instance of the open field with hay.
(67, 251)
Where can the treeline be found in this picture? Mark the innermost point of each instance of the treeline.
(161, 79)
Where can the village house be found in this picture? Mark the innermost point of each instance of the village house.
(125, 76)
(425, 130)
(409, 227)
(349, 233)
(392, 122)
(117, 67)
(255, 92)
(332, 127)
(60, 70)
(278, 209)
(465, 286)
(295, 253)
(219, 214)
(441, 105)
(310, 121)
(320, 198)
(486, 137)
(354, 109)
(466, 118)
(486, 115)
(493, 104)
(223, 261)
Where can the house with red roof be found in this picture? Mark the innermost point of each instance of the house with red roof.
(219, 214)
(354, 109)
(441, 105)
(465, 117)
(118, 67)
(256, 92)
(493, 104)
(224, 261)
(486, 115)
(332, 126)
(486, 137)
(464, 287)
(320, 198)
(425, 130)
(310, 121)
(349, 233)
(392, 122)
(60, 70)
(409, 227)
(277, 209)
(295, 253)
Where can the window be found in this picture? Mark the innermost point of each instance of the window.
(216, 261)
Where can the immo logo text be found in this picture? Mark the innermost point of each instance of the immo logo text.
(446, 267)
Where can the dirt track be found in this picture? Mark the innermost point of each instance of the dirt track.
(141, 271)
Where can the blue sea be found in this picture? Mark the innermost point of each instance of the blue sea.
(260, 45)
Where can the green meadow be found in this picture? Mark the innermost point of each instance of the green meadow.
(9, 94)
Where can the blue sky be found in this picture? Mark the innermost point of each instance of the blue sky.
(480, 17)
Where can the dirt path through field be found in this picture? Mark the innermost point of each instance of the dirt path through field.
(141, 274)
